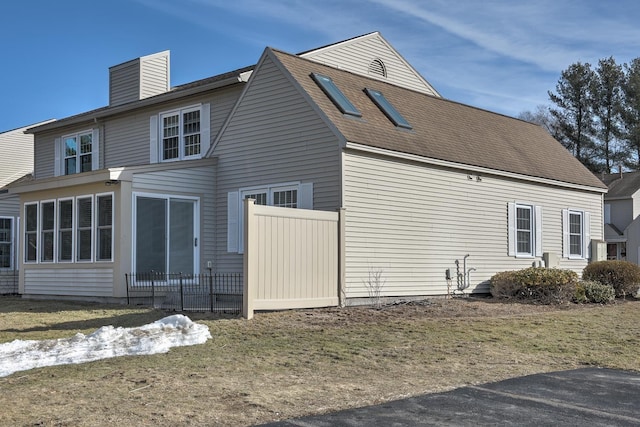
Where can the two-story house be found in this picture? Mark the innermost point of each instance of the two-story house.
(622, 216)
(155, 180)
(16, 164)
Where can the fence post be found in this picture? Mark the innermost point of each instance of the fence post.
(126, 280)
(153, 289)
(181, 292)
(211, 290)
(249, 281)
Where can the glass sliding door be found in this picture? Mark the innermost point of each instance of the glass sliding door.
(166, 239)
(181, 236)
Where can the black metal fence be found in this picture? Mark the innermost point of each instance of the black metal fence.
(8, 282)
(216, 292)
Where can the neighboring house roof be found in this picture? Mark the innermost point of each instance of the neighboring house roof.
(442, 129)
(622, 186)
(612, 234)
(221, 80)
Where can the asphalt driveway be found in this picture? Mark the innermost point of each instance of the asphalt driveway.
(582, 397)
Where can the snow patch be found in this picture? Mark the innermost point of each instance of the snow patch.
(157, 337)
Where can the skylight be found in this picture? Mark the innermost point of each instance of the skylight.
(383, 103)
(331, 90)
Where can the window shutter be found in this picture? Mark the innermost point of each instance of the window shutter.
(57, 147)
(153, 139)
(233, 232)
(538, 222)
(305, 196)
(511, 219)
(95, 150)
(586, 218)
(205, 129)
(565, 233)
(607, 213)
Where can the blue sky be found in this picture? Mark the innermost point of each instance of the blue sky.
(501, 55)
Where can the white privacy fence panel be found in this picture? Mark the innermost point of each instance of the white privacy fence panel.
(290, 258)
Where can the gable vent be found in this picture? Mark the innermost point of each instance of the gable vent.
(377, 67)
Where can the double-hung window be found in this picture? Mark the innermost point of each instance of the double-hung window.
(575, 233)
(6, 243)
(65, 230)
(77, 152)
(31, 232)
(180, 134)
(525, 230)
(47, 230)
(287, 195)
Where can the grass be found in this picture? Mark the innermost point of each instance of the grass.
(288, 364)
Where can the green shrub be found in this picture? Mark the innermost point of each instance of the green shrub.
(623, 276)
(535, 284)
(597, 292)
(580, 294)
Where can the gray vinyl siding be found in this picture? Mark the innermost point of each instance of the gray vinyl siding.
(127, 136)
(154, 76)
(44, 153)
(621, 213)
(355, 56)
(72, 280)
(195, 182)
(413, 221)
(124, 83)
(274, 136)
(9, 204)
(16, 158)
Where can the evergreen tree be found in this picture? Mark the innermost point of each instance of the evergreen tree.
(606, 102)
(631, 113)
(574, 113)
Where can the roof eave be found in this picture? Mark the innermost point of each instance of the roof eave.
(476, 169)
(158, 99)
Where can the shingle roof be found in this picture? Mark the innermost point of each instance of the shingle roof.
(442, 129)
(622, 186)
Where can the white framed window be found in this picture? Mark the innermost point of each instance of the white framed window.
(6, 242)
(286, 195)
(84, 228)
(65, 230)
(180, 134)
(525, 229)
(104, 227)
(576, 233)
(77, 152)
(165, 230)
(31, 232)
(47, 230)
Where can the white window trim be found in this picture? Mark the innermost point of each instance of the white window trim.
(12, 244)
(585, 234)
(156, 133)
(93, 229)
(235, 209)
(73, 229)
(95, 226)
(196, 225)
(59, 169)
(536, 230)
(24, 234)
(54, 256)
